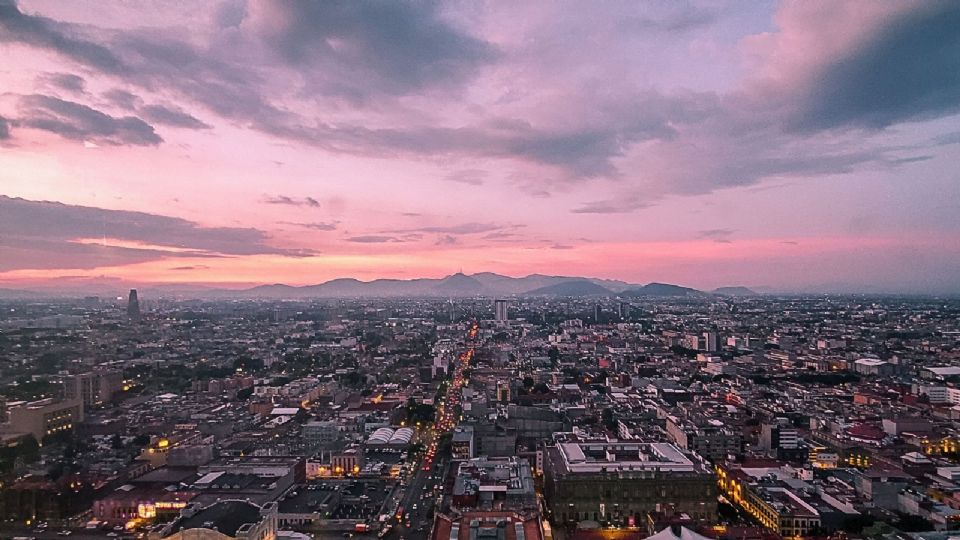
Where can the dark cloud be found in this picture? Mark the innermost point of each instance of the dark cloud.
(76, 121)
(387, 47)
(42, 234)
(65, 81)
(172, 116)
(446, 240)
(4, 128)
(462, 228)
(721, 236)
(188, 268)
(316, 226)
(292, 201)
(499, 235)
(373, 239)
(122, 98)
(908, 70)
(66, 40)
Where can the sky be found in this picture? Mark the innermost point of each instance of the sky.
(795, 146)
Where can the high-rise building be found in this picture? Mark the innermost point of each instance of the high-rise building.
(503, 391)
(94, 388)
(500, 309)
(133, 306)
(623, 310)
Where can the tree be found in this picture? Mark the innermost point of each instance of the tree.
(554, 354)
(528, 382)
(608, 419)
(48, 362)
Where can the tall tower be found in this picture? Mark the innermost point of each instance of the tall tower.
(133, 306)
(500, 310)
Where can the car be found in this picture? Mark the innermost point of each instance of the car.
(65, 532)
(112, 534)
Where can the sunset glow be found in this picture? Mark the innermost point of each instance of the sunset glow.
(236, 143)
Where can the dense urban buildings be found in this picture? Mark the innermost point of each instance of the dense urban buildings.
(256, 418)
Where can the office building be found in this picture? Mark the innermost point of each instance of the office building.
(45, 417)
(500, 309)
(133, 306)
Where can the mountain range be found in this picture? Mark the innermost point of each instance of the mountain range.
(455, 285)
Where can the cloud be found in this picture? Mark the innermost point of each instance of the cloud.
(907, 68)
(611, 206)
(473, 177)
(721, 236)
(657, 142)
(192, 267)
(76, 121)
(499, 235)
(316, 226)
(360, 48)
(172, 116)
(122, 98)
(44, 33)
(447, 240)
(4, 128)
(292, 201)
(462, 228)
(373, 239)
(43, 234)
(65, 81)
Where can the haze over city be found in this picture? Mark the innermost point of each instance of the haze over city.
(795, 146)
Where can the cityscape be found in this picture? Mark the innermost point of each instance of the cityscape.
(488, 270)
(726, 415)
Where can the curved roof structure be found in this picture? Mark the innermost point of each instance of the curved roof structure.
(381, 436)
(402, 436)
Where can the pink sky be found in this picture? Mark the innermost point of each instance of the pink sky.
(705, 144)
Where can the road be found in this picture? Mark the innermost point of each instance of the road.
(421, 491)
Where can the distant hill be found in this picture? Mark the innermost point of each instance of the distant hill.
(458, 284)
(662, 289)
(735, 291)
(571, 288)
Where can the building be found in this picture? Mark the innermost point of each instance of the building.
(44, 417)
(781, 438)
(222, 521)
(319, 432)
(487, 526)
(93, 388)
(874, 367)
(462, 444)
(774, 504)
(503, 391)
(133, 306)
(494, 484)
(710, 439)
(623, 310)
(618, 483)
(500, 311)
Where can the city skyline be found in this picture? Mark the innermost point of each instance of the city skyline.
(789, 146)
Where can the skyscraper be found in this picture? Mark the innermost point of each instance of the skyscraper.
(500, 308)
(133, 306)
